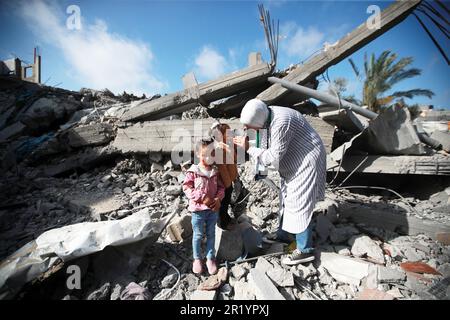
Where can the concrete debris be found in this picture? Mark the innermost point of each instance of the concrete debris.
(180, 229)
(364, 246)
(229, 244)
(88, 178)
(373, 294)
(215, 281)
(263, 286)
(204, 295)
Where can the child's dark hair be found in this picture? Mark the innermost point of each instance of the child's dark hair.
(204, 142)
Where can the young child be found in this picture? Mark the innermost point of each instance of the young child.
(205, 190)
(227, 169)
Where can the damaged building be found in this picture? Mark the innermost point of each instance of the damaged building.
(89, 186)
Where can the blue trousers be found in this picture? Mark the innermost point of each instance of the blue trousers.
(199, 220)
(303, 239)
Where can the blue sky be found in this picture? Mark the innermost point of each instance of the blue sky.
(147, 46)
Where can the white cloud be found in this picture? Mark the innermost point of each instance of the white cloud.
(210, 64)
(299, 42)
(97, 57)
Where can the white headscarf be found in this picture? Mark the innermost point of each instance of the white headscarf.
(254, 113)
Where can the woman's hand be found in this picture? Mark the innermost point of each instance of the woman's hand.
(241, 142)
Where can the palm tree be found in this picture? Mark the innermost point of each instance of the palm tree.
(381, 74)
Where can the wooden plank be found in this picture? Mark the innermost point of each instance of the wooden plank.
(429, 165)
(263, 286)
(397, 222)
(390, 17)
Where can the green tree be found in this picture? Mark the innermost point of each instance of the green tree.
(381, 74)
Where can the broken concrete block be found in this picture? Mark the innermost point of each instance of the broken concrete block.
(103, 293)
(243, 291)
(169, 280)
(323, 228)
(174, 190)
(115, 294)
(344, 269)
(390, 275)
(412, 255)
(229, 244)
(180, 228)
(215, 281)
(156, 167)
(238, 271)
(443, 138)
(342, 234)
(263, 286)
(204, 295)
(373, 294)
(281, 277)
(363, 245)
(263, 265)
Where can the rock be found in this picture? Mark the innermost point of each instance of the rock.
(263, 287)
(169, 280)
(363, 245)
(180, 229)
(226, 289)
(106, 178)
(306, 272)
(69, 297)
(174, 190)
(238, 271)
(373, 294)
(101, 294)
(412, 255)
(156, 167)
(281, 277)
(342, 234)
(444, 269)
(389, 275)
(115, 294)
(127, 190)
(323, 228)
(343, 250)
(215, 281)
(328, 208)
(243, 291)
(204, 295)
(263, 265)
(168, 165)
(229, 244)
(344, 269)
(288, 293)
(395, 293)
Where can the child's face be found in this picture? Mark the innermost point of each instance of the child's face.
(206, 155)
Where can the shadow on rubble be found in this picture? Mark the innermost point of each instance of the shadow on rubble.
(108, 271)
(375, 210)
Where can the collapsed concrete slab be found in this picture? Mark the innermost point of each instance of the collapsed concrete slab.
(179, 135)
(344, 269)
(397, 222)
(351, 42)
(70, 242)
(263, 287)
(207, 92)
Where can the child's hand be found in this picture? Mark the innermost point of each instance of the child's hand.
(216, 206)
(209, 202)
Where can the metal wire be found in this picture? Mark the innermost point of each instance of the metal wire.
(159, 297)
(271, 32)
(383, 188)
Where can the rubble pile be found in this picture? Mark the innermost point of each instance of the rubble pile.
(88, 182)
